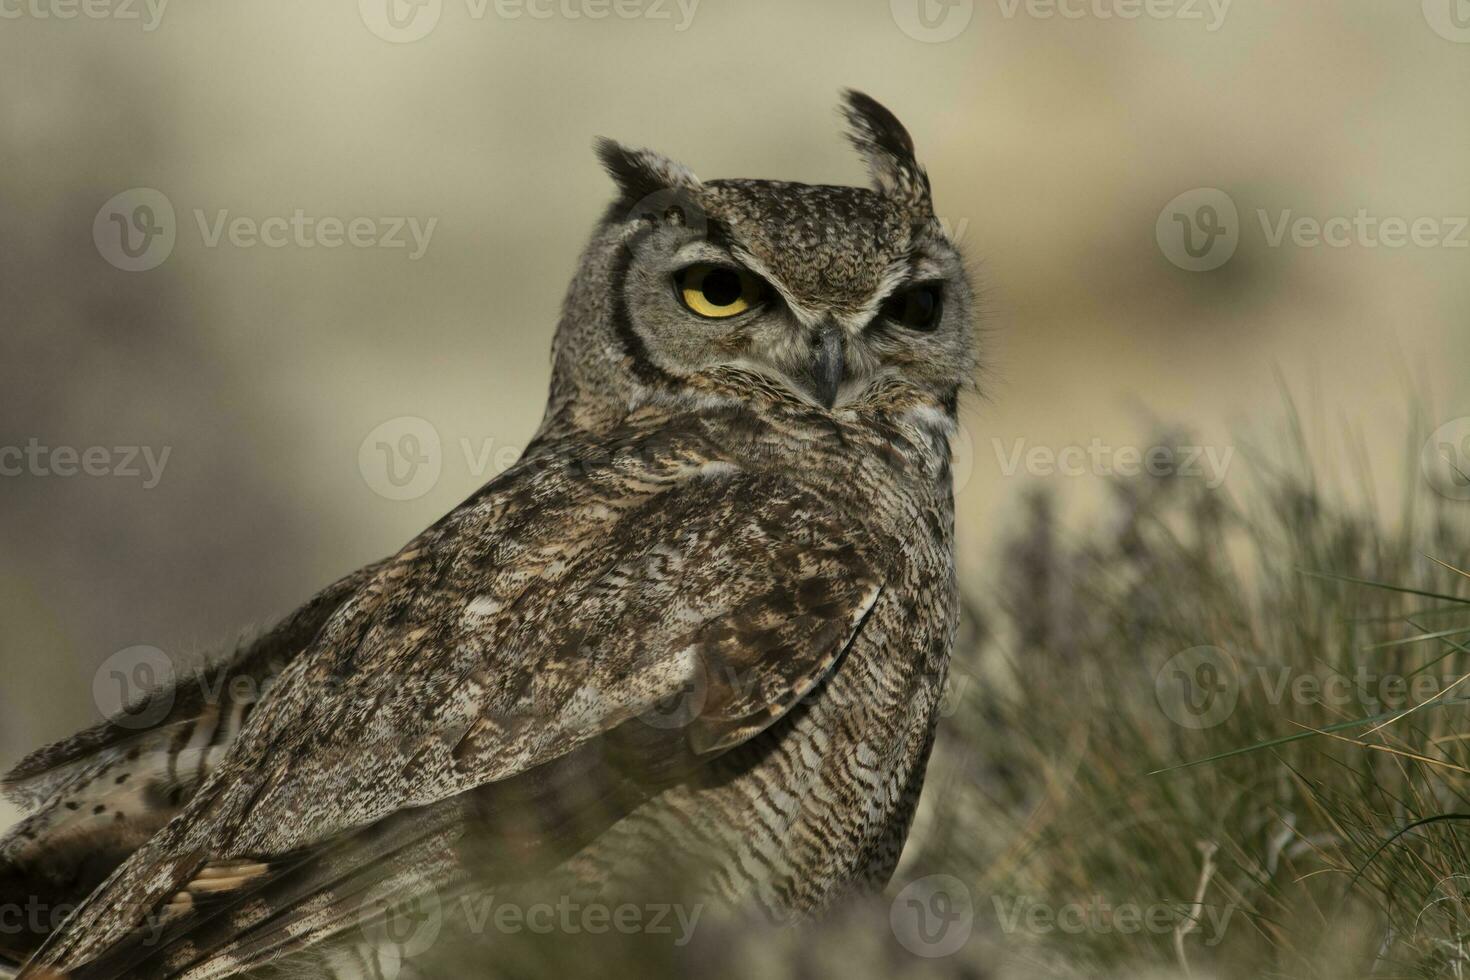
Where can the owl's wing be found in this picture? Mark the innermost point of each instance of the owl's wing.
(560, 605)
(91, 800)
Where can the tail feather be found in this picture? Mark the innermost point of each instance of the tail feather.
(225, 924)
(374, 910)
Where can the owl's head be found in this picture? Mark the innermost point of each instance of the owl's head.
(832, 299)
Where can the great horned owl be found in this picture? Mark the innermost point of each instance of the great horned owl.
(700, 628)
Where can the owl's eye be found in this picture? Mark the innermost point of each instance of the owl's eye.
(718, 291)
(916, 308)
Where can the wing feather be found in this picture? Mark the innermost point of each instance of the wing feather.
(572, 599)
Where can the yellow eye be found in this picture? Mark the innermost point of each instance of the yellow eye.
(718, 291)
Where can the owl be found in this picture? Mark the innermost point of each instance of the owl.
(698, 632)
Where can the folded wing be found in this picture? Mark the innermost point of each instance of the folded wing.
(650, 597)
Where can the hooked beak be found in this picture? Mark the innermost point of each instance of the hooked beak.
(829, 354)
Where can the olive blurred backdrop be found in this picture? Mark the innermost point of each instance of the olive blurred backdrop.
(1054, 142)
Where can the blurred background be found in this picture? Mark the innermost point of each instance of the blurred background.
(201, 405)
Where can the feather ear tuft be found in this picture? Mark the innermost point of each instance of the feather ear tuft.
(640, 173)
(888, 149)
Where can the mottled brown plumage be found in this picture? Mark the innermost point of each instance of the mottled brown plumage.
(699, 630)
